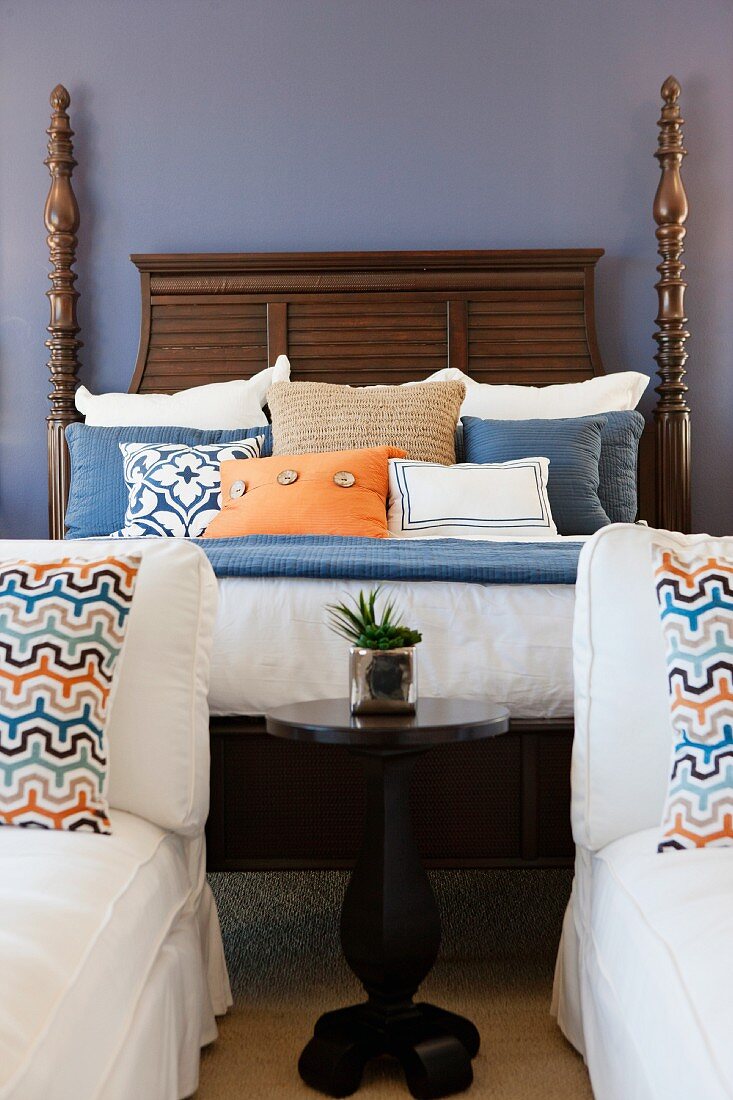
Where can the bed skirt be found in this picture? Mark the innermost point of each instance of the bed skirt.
(503, 802)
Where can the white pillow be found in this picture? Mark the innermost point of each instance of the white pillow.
(446, 374)
(607, 393)
(236, 404)
(471, 500)
(158, 722)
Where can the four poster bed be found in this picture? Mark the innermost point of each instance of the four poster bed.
(520, 317)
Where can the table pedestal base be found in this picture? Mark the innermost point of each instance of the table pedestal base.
(435, 1048)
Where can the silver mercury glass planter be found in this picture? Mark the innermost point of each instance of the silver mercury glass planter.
(383, 681)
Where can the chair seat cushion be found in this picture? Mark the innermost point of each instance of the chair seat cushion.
(661, 965)
(74, 951)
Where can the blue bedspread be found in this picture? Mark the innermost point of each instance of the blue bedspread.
(336, 558)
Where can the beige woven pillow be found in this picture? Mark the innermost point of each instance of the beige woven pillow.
(317, 416)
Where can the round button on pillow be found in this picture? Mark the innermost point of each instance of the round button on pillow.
(304, 495)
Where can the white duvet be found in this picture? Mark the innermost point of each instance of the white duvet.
(509, 643)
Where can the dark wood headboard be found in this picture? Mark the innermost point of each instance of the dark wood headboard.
(364, 317)
(521, 317)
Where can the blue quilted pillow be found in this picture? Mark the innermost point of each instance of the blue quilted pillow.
(617, 489)
(573, 447)
(98, 495)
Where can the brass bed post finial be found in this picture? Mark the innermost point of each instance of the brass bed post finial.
(61, 216)
(672, 414)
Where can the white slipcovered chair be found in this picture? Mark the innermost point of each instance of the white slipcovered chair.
(645, 969)
(111, 960)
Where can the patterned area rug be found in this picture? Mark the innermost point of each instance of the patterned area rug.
(500, 935)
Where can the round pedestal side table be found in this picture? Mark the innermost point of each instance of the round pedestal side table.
(390, 927)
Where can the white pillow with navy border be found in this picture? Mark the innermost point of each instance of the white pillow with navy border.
(226, 405)
(470, 500)
(175, 490)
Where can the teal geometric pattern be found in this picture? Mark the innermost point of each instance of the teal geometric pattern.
(695, 595)
(62, 625)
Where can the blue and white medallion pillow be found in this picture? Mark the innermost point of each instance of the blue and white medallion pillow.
(175, 490)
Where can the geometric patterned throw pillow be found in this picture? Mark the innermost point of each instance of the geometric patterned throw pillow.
(175, 490)
(695, 594)
(62, 625)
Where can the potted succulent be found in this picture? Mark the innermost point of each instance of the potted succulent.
(382, 661)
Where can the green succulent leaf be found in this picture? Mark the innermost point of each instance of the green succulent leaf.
(361, 625)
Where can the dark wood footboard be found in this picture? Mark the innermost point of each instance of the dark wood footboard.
(504, 802)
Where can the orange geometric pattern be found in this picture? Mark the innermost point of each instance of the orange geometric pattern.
(695, 595)
(62, 625)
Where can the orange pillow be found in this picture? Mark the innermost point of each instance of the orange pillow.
(336, 493)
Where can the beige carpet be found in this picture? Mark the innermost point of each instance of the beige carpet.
(500, 931)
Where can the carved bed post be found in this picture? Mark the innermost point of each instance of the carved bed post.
(672, 414)
(61, 216)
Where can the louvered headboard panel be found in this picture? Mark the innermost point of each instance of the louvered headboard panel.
(382, 340)
(516, 336)
(192, 343)
(365, 317)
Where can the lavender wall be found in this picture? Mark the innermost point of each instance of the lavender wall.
(319, 124)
